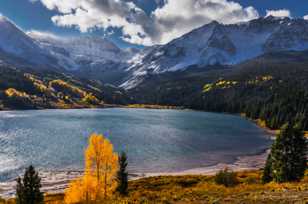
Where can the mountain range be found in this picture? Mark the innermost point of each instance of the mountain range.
(99, 59)
(257, 68)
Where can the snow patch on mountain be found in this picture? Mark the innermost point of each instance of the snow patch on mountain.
(13, 41)
(217, 43)
(82, 52)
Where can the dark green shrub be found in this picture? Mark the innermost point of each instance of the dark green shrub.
(226, 177)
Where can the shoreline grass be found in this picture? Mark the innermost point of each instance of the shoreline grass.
(203, 189)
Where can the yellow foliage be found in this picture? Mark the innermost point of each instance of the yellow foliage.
(207, 87)
(267, 78)
(67, 86)
(81, 190)
(220, 84)
(261, 123)
(226, 84)
(37, 83)
(11, 92)
(260, 79)
(149, 106)
(90, 98)
(101, 163)
(101, 166)
(41, 87)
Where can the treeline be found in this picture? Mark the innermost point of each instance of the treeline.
(276, 101)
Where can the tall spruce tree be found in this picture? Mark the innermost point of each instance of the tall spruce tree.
(28, 188)
(288, 155)
(267, 172)
(19, 192)
(122, 174)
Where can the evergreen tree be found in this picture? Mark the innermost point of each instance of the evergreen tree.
(122, 175)
(28, 189)
(19, 192)
(288, 155)
(267, 172)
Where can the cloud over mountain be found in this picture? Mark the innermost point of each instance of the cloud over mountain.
(171, 19)
(279, 13)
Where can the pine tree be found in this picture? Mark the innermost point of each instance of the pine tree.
(19, 192)
(288, 155)
(122, 175)
(28, 188)
(267, 172)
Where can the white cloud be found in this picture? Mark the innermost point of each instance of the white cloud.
(36, 34)
(306, 17)
(170, 20)
(176, 17)
(281, 13)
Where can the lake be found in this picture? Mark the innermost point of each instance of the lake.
(155, 140)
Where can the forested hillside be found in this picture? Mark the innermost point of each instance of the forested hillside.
(35, 90)
(272, 87)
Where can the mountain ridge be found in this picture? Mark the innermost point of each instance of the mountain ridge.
(13, 41)
(100, 59)
(216, 43)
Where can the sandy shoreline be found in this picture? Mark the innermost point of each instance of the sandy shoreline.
(243, 163)
(57, 181)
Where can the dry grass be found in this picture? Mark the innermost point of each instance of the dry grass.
(202, 189)
(148, 106)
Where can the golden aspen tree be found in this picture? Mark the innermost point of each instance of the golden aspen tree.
(101, 164)
(99, 179)
(79, 191)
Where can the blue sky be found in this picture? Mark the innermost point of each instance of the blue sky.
(37, 16)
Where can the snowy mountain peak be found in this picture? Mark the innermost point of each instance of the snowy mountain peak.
(274, 18)
(12, 39)
(5, 20)
(17, 44)
(216, 43)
